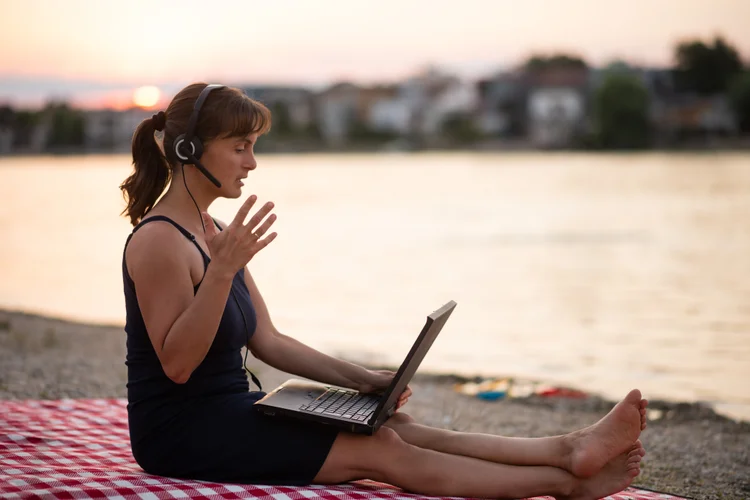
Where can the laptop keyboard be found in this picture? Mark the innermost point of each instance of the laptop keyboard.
(345, 404)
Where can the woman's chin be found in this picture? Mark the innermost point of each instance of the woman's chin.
(233, 190)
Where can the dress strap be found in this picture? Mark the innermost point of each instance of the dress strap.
(184, 232)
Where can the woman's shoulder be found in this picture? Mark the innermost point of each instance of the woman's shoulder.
(157, 231)
(155, 244)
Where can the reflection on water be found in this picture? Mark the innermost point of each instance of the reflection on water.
(606, 272)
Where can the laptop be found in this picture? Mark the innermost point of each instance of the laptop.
(346, 408)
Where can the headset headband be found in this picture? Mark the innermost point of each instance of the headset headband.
(196, 110)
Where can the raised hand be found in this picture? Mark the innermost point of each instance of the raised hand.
(232, 248)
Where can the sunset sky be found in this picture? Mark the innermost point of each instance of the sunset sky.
(89, 50)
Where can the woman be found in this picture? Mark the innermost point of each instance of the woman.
(192, 304)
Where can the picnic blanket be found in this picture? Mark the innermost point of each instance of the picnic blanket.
(80, 448)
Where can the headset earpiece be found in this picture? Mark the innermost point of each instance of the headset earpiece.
(184, 150)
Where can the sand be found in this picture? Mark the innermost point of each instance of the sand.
(692, 451)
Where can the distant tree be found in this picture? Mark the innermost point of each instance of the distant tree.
(619, 65)
(66, 126)
(312, 131)
(706, 69)
(361, 132)
(540, 62)
(621, 112)
(739, 96)
(7, 116)
(515, 110)
(281, 120)
(24, 123)
(459, 128)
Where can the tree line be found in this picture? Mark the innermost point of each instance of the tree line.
(622, 103)
(620, 110)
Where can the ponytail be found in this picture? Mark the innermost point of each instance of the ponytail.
(151, 171)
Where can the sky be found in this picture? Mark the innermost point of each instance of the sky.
(93, 50)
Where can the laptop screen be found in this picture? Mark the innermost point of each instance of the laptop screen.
(432, 327)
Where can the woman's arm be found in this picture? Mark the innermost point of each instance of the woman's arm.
(291, 356)
(181, 325)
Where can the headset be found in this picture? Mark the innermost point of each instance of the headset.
(189, 149)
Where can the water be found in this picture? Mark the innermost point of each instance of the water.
(604, 272)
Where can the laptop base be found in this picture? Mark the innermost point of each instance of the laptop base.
(287, 399)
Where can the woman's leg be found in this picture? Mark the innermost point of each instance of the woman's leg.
(387, 458)
(582, 453)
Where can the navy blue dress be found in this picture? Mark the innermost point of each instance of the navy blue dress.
(207, 428)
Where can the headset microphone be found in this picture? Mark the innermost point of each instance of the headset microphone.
(203, 169)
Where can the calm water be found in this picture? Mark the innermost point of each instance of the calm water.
(605, 272)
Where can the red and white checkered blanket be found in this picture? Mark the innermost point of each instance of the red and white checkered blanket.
(80, 449)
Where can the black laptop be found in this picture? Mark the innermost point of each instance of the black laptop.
(345, 408)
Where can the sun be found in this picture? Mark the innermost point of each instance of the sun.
(146, 96)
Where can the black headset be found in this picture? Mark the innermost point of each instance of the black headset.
(189, 148)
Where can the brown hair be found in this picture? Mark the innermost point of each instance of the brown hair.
(227, 112)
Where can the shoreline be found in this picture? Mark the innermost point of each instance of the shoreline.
(675, 408)
(691, 450)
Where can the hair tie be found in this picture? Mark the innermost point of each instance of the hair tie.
(160, 120)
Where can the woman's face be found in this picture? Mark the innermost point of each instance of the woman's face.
(230, 160)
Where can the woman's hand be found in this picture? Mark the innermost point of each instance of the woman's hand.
(378, 381)
(232, 248)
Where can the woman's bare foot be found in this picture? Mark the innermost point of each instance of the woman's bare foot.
(637, 449)
(593, 447)
(613, 478)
